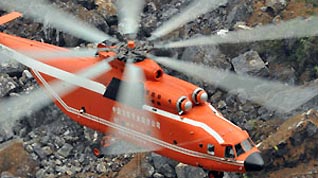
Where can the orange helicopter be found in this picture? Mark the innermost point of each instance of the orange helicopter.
(121, 91)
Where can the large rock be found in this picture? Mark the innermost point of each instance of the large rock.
(285, 73)
(100, 168)
(210, 56)
(106, 8)
(65, 150)
(7, 85)
(15, 160)
(240, 11)
(186, 171)
(10, 67)
(250, 63)
(164, 166)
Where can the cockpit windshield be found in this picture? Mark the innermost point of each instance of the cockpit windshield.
(239, 148)
(246, 144)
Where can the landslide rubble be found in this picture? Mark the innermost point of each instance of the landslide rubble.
(291, 151)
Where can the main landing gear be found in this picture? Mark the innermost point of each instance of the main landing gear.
(99, 148)
(215, 174)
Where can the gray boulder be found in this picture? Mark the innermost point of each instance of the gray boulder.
(158, 175)
(210, 56)
(240, 11)
(186, 171)
(249, 63)
(147, 169)
(7, 85)
(285, 73)
(65, 150)
(164, 166)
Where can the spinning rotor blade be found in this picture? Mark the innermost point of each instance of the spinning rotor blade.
(42, 11)
(129, 15)
(131, 96)
(52, 71)
(191, 12)
(53, 54)
(123, 147)
(131, 91)
(295, 28)
(13, 108)
(271, 94)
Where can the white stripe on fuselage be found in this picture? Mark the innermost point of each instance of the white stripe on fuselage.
(203, 126)
(220, 116)
(141, 135)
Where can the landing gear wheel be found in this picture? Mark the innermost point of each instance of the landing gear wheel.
(215, 174)
(97, 150)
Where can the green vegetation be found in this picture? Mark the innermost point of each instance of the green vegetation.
(302, 51)
(313, 2)
(305, 55)
(301, 54)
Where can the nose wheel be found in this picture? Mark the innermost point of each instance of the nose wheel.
(215, 174)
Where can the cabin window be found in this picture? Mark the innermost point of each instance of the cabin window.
(210, 149)
(239, 149)
(229, 152)
(247, 146)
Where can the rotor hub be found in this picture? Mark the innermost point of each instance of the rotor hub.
(130, 49)
(131, 44)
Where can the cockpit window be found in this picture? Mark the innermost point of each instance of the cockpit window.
(239, 149)
(246, 145)
(210, 149)
(229, 152)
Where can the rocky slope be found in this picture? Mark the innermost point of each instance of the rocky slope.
(291, 150)
(59, 149)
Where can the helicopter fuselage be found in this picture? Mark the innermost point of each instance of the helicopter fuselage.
(164, 122)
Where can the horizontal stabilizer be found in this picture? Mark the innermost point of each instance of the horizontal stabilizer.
(9, 17)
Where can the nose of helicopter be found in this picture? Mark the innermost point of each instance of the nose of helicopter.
(254, 162)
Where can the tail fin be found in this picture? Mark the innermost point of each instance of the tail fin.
(9, 17)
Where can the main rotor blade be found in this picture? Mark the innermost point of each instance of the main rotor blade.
(42, 11)
(131, 90)
(271, 94)
(295, 28)
(137, 124)
(54, 54)
(13, 108)
(124, 147)
(52, 71)
(129, 15)
(191, 12)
